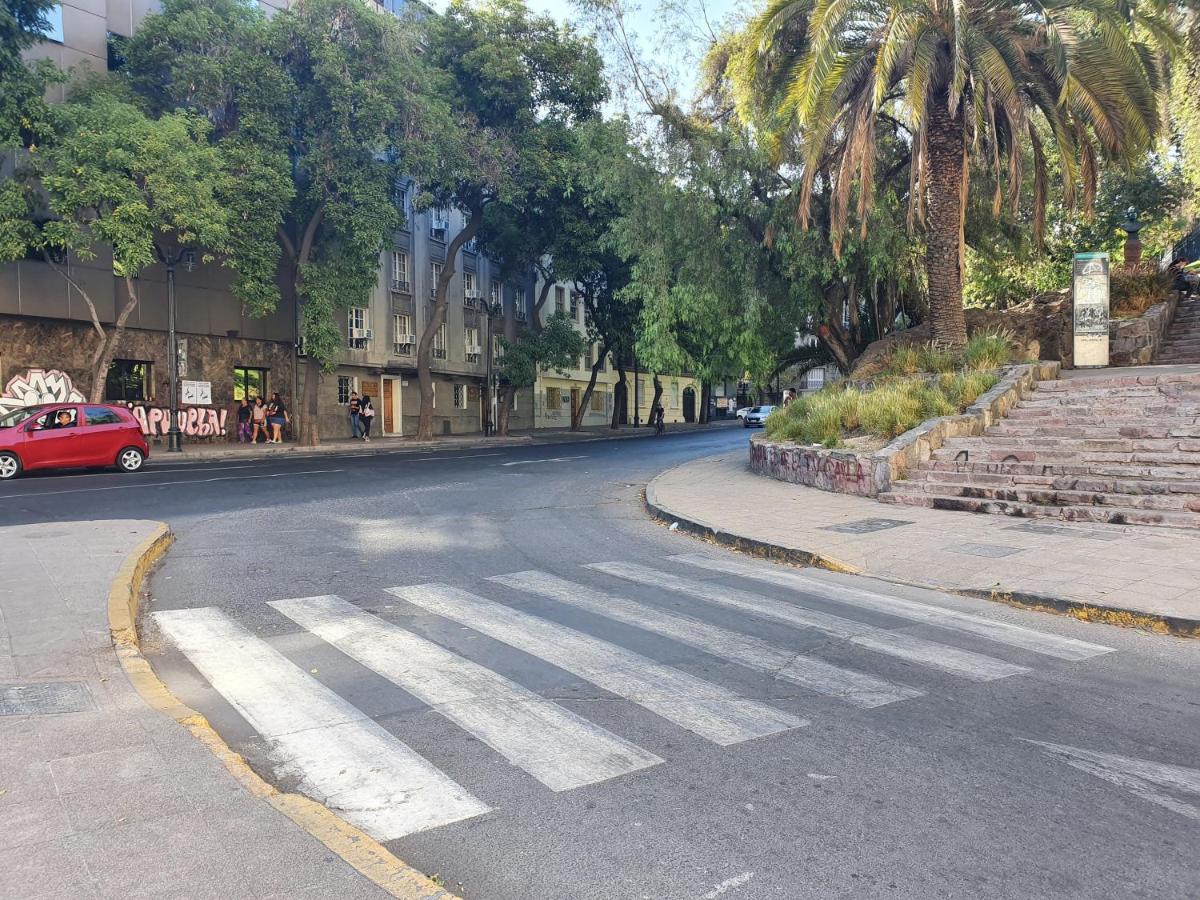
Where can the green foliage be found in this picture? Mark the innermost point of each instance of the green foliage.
(1135, 290)
(983, 352)
(989, 350)
(556, 347)
(886, 410)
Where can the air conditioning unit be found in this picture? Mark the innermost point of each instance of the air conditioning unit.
(406, 339)
(472, 295)
(361, 334)
(400, 287)
(438, 232)
(474, 351)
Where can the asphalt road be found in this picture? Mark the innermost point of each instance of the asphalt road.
(731, 734)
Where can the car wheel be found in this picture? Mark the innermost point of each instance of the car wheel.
(10, 466)
(130, 459)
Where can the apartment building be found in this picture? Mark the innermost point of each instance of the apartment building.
(558, 394)
(45, 331)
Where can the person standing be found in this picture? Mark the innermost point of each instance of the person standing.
(243, 421)
(258, 420)
(355, 421)
(277, 417)
(366, 414)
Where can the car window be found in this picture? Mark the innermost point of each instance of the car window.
(17, 416)
(52, 419)
(100, 415)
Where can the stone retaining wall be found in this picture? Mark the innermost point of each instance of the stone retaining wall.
(867, 474)
(1135, 342)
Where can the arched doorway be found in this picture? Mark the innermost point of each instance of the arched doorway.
(689, 404)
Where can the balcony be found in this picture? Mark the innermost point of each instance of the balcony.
(474, 354)
(400, 286)
(519, 315)
(404, 345)
(438, 353)
(438, 233)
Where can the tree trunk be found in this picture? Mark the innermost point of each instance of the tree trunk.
(425, 347)
(578, 414)
(108, 350)
(705, 399)
(619, 400)
(658, 389)
(310, 433)
(943, 253)
(504, 409)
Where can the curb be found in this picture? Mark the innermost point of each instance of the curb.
(1177, 626)
(366, 855)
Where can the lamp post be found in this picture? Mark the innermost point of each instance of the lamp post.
(187, 258)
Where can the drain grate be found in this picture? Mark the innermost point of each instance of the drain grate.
(1063, 531)
(44, 699)
(991, 551)
(866, 526)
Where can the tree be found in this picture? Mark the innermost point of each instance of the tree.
(515, 81)
(322, 108)
(556, 347)
(24, 115)
(973, 78)
(113, 176)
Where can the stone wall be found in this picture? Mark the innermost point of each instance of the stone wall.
(1135, 342)
(847, 472)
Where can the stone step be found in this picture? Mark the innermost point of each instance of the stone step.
(1100, 383)
(1043, 456)
(1112, 443)
(1096, 470)
(1047, 497)
(1046, 417)
(1177, 494)
(1074, 412)
(1111, 514)
(1148, 428)
(1106, 402)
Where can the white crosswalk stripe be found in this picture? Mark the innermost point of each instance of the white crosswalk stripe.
(696, 705)
(1000, 632)
(338, 755)
(817, 675)
(557, 747)
(964, 663)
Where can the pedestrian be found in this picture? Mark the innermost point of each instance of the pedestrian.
(660, 416)
(355, 423)
(258, 420)
(366, 414)
(243, 421)
(277, 417)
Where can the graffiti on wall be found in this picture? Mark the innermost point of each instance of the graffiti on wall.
(194, 421)
(38, 386)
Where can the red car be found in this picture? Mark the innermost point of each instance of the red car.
(70, 435)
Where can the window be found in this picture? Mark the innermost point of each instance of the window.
(436, 270)
(439, 343)
(98, 415)
(497, 347)
(402, 336)
(460, 396)
(54, 24)
(553, 398)
(249, 383)
(401, 200)
(345, 386)
(439, 223)
(358, 327)
(470, 286)
(590, 357)
(560, 300)
(675, 393)
(128, 380)
(597, 401)
(51, 419)
(471, 343)
(494, 294)
(574, 305)
(519, 303)
(399, 270)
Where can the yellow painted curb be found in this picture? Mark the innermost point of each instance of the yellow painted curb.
(360, 850)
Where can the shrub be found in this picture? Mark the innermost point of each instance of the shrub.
(989, 350)
(1137, 288)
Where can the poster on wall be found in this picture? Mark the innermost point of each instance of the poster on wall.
(1090, 298)
(197, 393)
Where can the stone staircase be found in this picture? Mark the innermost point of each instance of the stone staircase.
(1182, 343)
(1123, 449)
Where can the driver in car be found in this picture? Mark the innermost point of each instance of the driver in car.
(64, 419)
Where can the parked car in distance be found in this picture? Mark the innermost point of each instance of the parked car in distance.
(741, 413)
(757, 415)
(70, 435)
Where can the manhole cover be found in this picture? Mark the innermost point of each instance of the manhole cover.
(44, 699)
(866, 526)
(992, 551)
(1063, 531)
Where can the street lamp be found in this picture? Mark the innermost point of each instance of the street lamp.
(187, 258)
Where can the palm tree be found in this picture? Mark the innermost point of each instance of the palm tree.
(963, 80)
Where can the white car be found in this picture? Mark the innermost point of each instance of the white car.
(757, 415)
(741, 413)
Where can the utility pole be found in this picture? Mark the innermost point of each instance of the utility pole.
(188, 258)
(637, 405)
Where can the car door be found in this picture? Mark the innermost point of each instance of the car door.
(49, 443)
(102, 436)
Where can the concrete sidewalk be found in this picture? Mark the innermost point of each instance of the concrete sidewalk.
(101, 796)
(1135, 575)
(224, 450)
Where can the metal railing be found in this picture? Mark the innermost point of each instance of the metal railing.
(1189, 247)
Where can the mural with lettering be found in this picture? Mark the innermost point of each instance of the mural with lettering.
(194, 421)
(38, 386)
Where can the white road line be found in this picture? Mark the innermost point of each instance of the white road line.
(140, 484)
(728, 885)
(856, 688)
(974, 666)
(339, 756)
(1001, 632)
(699, 706)
(1142, 777)
(555, 746)
(529, 462)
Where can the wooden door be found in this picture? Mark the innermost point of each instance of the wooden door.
(388, 403)
(574, 403)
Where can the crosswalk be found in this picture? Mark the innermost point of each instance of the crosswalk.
(340, 756)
